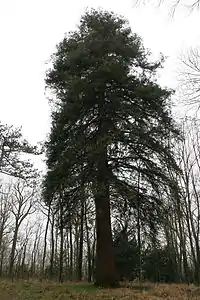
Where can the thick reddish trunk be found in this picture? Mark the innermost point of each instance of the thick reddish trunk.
(105, 263)
(105, 266)
(106, 275)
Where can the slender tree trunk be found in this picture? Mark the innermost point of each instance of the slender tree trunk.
(35, 254)
(52, 248)
(33, 259)
(190, 233)
(2, 259)
(71, 251)
(94, 254)
(197, 228)
(67, 262)
(80, 258)
(18, 264)
(139, 229)
(23, 261)
(197, 262)
(76, 249)
(61, 244)
(182, 241)
(45, 240)
(56, 252)
(12, 254)
(89, 257)
(1, 235)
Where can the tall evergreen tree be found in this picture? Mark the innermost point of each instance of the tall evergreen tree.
(110, 121)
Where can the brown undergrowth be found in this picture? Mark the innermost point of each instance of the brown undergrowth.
(23, 290)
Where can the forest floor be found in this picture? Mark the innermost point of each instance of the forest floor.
(50, 291)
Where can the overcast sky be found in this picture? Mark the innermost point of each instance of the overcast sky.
(30, 29)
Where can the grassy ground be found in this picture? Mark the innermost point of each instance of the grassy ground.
(49, 291)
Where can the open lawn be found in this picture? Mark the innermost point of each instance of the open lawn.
(50, 291)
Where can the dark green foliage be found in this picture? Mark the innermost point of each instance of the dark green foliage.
(159, 265)
(104, 65)
(13, 146)
(126, 256)
(111, 121)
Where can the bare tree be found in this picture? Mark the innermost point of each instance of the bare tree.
(22, 252)
(5, 221)
(35, 248)
(45, 238)
(189, 4)
(23, 202)
(185, 218)
(189, 77)
(4, 209)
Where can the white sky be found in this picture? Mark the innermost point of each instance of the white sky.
(30, 29)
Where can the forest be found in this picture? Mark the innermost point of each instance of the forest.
(119, 200)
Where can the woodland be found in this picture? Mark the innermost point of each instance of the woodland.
(119, 200)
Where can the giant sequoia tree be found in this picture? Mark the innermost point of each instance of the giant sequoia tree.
(110, 121)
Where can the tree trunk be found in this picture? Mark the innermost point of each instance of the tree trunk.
(23, 261)
(71, 251)
(1, 234)
(139, 229)
(80, 254)
(56, 262)
(45, 241)
(94, 253)
(105, 267)
(67, 262)
(52, 248)
(61, 244)
(182, 241)
(12, 254)
(34, 253)
(2, 258)
(105, 263)
(89, 275)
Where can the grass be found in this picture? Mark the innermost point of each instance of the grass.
(51, 291)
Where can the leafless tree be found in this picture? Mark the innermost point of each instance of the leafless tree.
(189, 4)
(189, 77)
(48, 215)
(186, 217)
(5, 221)
(23, 203)
(22, 249)
(5, 192)
(36, 248)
